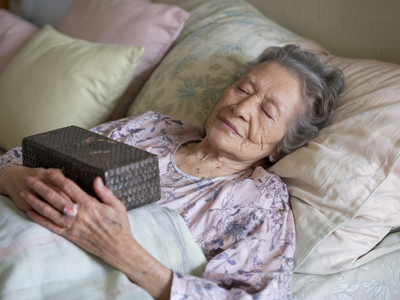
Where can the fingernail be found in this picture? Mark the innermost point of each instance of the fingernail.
(101, 182)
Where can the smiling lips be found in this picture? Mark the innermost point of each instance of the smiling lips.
(229, 126)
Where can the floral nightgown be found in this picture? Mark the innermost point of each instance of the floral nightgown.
(243, 223)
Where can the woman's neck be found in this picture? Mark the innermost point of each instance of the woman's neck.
(200, 160)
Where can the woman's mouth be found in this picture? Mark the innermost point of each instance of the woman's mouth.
(229, 126)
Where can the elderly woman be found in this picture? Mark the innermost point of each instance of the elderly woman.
(237, 212)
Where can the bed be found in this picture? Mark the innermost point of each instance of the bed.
(344, 186)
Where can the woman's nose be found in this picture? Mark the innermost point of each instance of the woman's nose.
(243, 109)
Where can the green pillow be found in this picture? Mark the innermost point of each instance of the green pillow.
(56, 81)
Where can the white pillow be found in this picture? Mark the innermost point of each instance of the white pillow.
(344, 184)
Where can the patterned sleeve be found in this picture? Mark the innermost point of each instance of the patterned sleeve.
(11, 158)
(134, 131)
(106, 128)
(258, 264)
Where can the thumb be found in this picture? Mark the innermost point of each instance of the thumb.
(104, 193)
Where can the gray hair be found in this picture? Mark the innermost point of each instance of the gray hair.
(321, 86)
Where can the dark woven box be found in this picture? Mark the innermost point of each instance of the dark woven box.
(131, 173)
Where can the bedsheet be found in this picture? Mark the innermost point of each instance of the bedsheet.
(374, 276)
(38, 264)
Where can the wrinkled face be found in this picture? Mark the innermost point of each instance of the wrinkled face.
(252, 115)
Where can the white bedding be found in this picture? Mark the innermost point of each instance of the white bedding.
(376, 279)
(37, 264)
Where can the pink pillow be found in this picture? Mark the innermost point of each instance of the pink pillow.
(129, 22)
(14, 33)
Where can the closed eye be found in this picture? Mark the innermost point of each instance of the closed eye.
(266, 113)
(243, 90)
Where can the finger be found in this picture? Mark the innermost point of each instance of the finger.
(44, 222)
(71, 210)
(47, 193)
(67, 186)
(21, 204)
(105, 194)
(55, 170)
(46, 210)
(61, 193)
(82, 239)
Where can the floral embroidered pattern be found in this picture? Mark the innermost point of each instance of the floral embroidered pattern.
(242, 223)
(378, 279)
(12, 157)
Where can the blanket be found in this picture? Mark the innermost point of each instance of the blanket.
(38, 264)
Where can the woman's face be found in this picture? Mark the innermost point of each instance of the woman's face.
(252, 115)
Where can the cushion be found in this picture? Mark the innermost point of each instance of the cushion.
(374, 221)
(139, 23)
(339, 180)
(218, 37)
(56, 81)
(40, 12)
(38, 264)
(14, 33)
(344, 184)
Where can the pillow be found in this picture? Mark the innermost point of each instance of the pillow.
(38, 264)
(139, 23)
(41, 12)
(14, 33)
(218, 37)
(344, 186)
(339, 180)
(341, 249)
(56, 81)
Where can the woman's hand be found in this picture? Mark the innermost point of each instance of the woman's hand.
(13, 182)
(100, 228)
